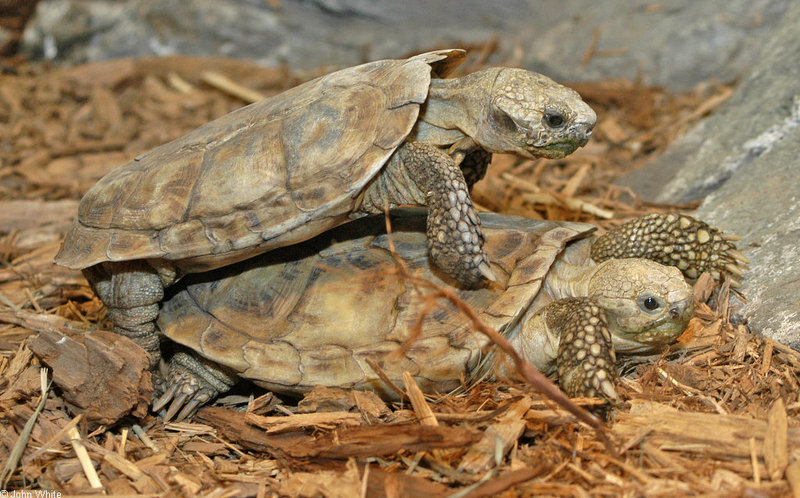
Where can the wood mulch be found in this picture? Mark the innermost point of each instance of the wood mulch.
(717, 414)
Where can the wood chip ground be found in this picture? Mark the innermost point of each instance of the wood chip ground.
(715, 415)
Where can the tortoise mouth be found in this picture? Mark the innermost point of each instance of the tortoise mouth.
(653, 335)
(556, 150)
(665, 331)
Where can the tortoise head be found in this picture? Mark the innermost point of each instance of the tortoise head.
(647, 304)
(533, 116)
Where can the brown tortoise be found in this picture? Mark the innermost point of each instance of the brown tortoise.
(317, 312)
(289, 167)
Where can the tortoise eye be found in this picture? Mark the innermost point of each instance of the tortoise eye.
(650, 303)
(554, 120)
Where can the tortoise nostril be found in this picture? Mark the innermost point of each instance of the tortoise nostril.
(683, 309)
(584, 130)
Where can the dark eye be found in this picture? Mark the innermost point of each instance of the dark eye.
(650, 303)
(554, 120)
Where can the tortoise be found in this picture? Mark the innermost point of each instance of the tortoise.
(282, 170)
(315, 313)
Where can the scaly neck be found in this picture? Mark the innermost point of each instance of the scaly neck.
(453, 109)
(568, 280)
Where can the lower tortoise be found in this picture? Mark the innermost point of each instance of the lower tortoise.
(315, 313)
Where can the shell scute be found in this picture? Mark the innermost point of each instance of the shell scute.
(330, 365)
(276, 362)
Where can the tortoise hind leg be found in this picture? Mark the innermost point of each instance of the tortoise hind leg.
(131, 290)
(192, 381)
(676, 240)
(586, 362)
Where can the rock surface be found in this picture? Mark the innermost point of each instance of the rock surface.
(675, 44)
(744, 161)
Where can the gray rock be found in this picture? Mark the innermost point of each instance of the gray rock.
(745, 161)
(676, 44)
(304, 34)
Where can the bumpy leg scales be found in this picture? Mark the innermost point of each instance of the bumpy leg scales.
(676, 240)
(192, 381)
(586, 359)
(131, 290)
(420, 173)
(455, 240)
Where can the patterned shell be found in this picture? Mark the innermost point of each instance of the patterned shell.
(271, 174)
(313, 314)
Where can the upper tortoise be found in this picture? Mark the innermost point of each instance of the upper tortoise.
(289, 167)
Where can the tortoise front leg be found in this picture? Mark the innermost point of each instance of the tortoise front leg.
(676, 240)
(571, 337)
(585, 362)
(422, 174)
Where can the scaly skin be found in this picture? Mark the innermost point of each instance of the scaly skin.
(131, 290)
(672, 239)
(455, 241)
(586, 356)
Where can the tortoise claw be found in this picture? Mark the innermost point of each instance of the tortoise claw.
(487, 272)
(188, 402)
(732, 237)
(190, 408)
(734, 264)
(185, 404)
(738, 256)
(607, 390)
(165, 398)
(192, 383)
(734, 269)
(176, 405)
